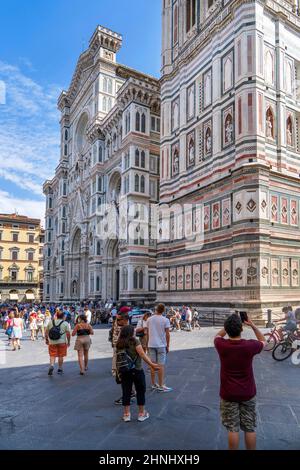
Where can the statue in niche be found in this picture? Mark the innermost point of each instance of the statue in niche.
(175, 162)
(269, 124)
(228, 129)
(289, 132)
(191, 151)
(208, 141)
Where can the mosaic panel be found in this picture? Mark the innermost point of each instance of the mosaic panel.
(215, 275)
(180, 278)
(205, 276)
(188, 277)
(196, 277)
(226, 273)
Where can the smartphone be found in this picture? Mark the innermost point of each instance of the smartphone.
(244, 316)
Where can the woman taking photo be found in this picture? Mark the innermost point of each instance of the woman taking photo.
(132, 346)
(83, 331)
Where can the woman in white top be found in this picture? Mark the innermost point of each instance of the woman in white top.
(140, 331)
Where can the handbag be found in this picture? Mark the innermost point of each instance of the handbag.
(9, 331)
(141, 334)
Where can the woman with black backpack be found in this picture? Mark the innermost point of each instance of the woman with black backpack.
(58, 337)
(130, 371)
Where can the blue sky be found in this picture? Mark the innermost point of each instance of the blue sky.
(42, 41)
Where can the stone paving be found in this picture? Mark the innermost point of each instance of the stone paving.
(77, 412)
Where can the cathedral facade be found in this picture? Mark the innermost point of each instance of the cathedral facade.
(99, 241)
(230, 154)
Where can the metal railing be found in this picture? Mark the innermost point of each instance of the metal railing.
(212, 318)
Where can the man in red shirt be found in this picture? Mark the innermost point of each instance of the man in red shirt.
(238, 389)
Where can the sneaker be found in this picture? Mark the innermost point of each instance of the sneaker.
(50, 371)
(144, 416)
(119, 401)
(155, 387)
(164, 389)
(133, 396)
(60, 371)
(126, 418)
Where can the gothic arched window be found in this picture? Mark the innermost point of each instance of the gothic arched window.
(98, 248)
(143, 159)
(175, 25)
(135, 279)
(137, 183)
(100, 154)
(141, 280)
(137, 157)
(269, 64)
(125, 278)
(142, 184)
(137, 122)
(143, 129)
(190, 14)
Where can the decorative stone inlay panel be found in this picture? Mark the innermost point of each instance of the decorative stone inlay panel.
(252, 271)
(240, 266)
(226, 273)
(285, 272)
(251, 205)
(206, 218)
(294, 212)
(180, 278)
(173, 279)
(215, 275)
(160, 281)
(295, 273)
(284, 210)
(275, 272)
(166, 279)
(265, 272)
(274, 209)
(188, 277)
(196, 277)
(206, 276)
(216, 215)
(226, 212)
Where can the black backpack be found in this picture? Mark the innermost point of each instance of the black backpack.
(124, 362)
(54, 332)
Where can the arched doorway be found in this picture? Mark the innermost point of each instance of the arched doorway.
(76, 265)
(111, 267)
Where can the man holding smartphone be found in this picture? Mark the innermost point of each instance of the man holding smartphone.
(238, 389)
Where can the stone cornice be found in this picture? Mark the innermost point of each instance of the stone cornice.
(104, 37)
(140, 91)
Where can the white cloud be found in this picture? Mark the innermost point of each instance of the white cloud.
(29, 130)
(10, 204)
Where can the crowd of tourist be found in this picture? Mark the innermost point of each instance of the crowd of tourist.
(149, 342)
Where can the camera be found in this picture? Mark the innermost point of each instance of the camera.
(243, 316)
